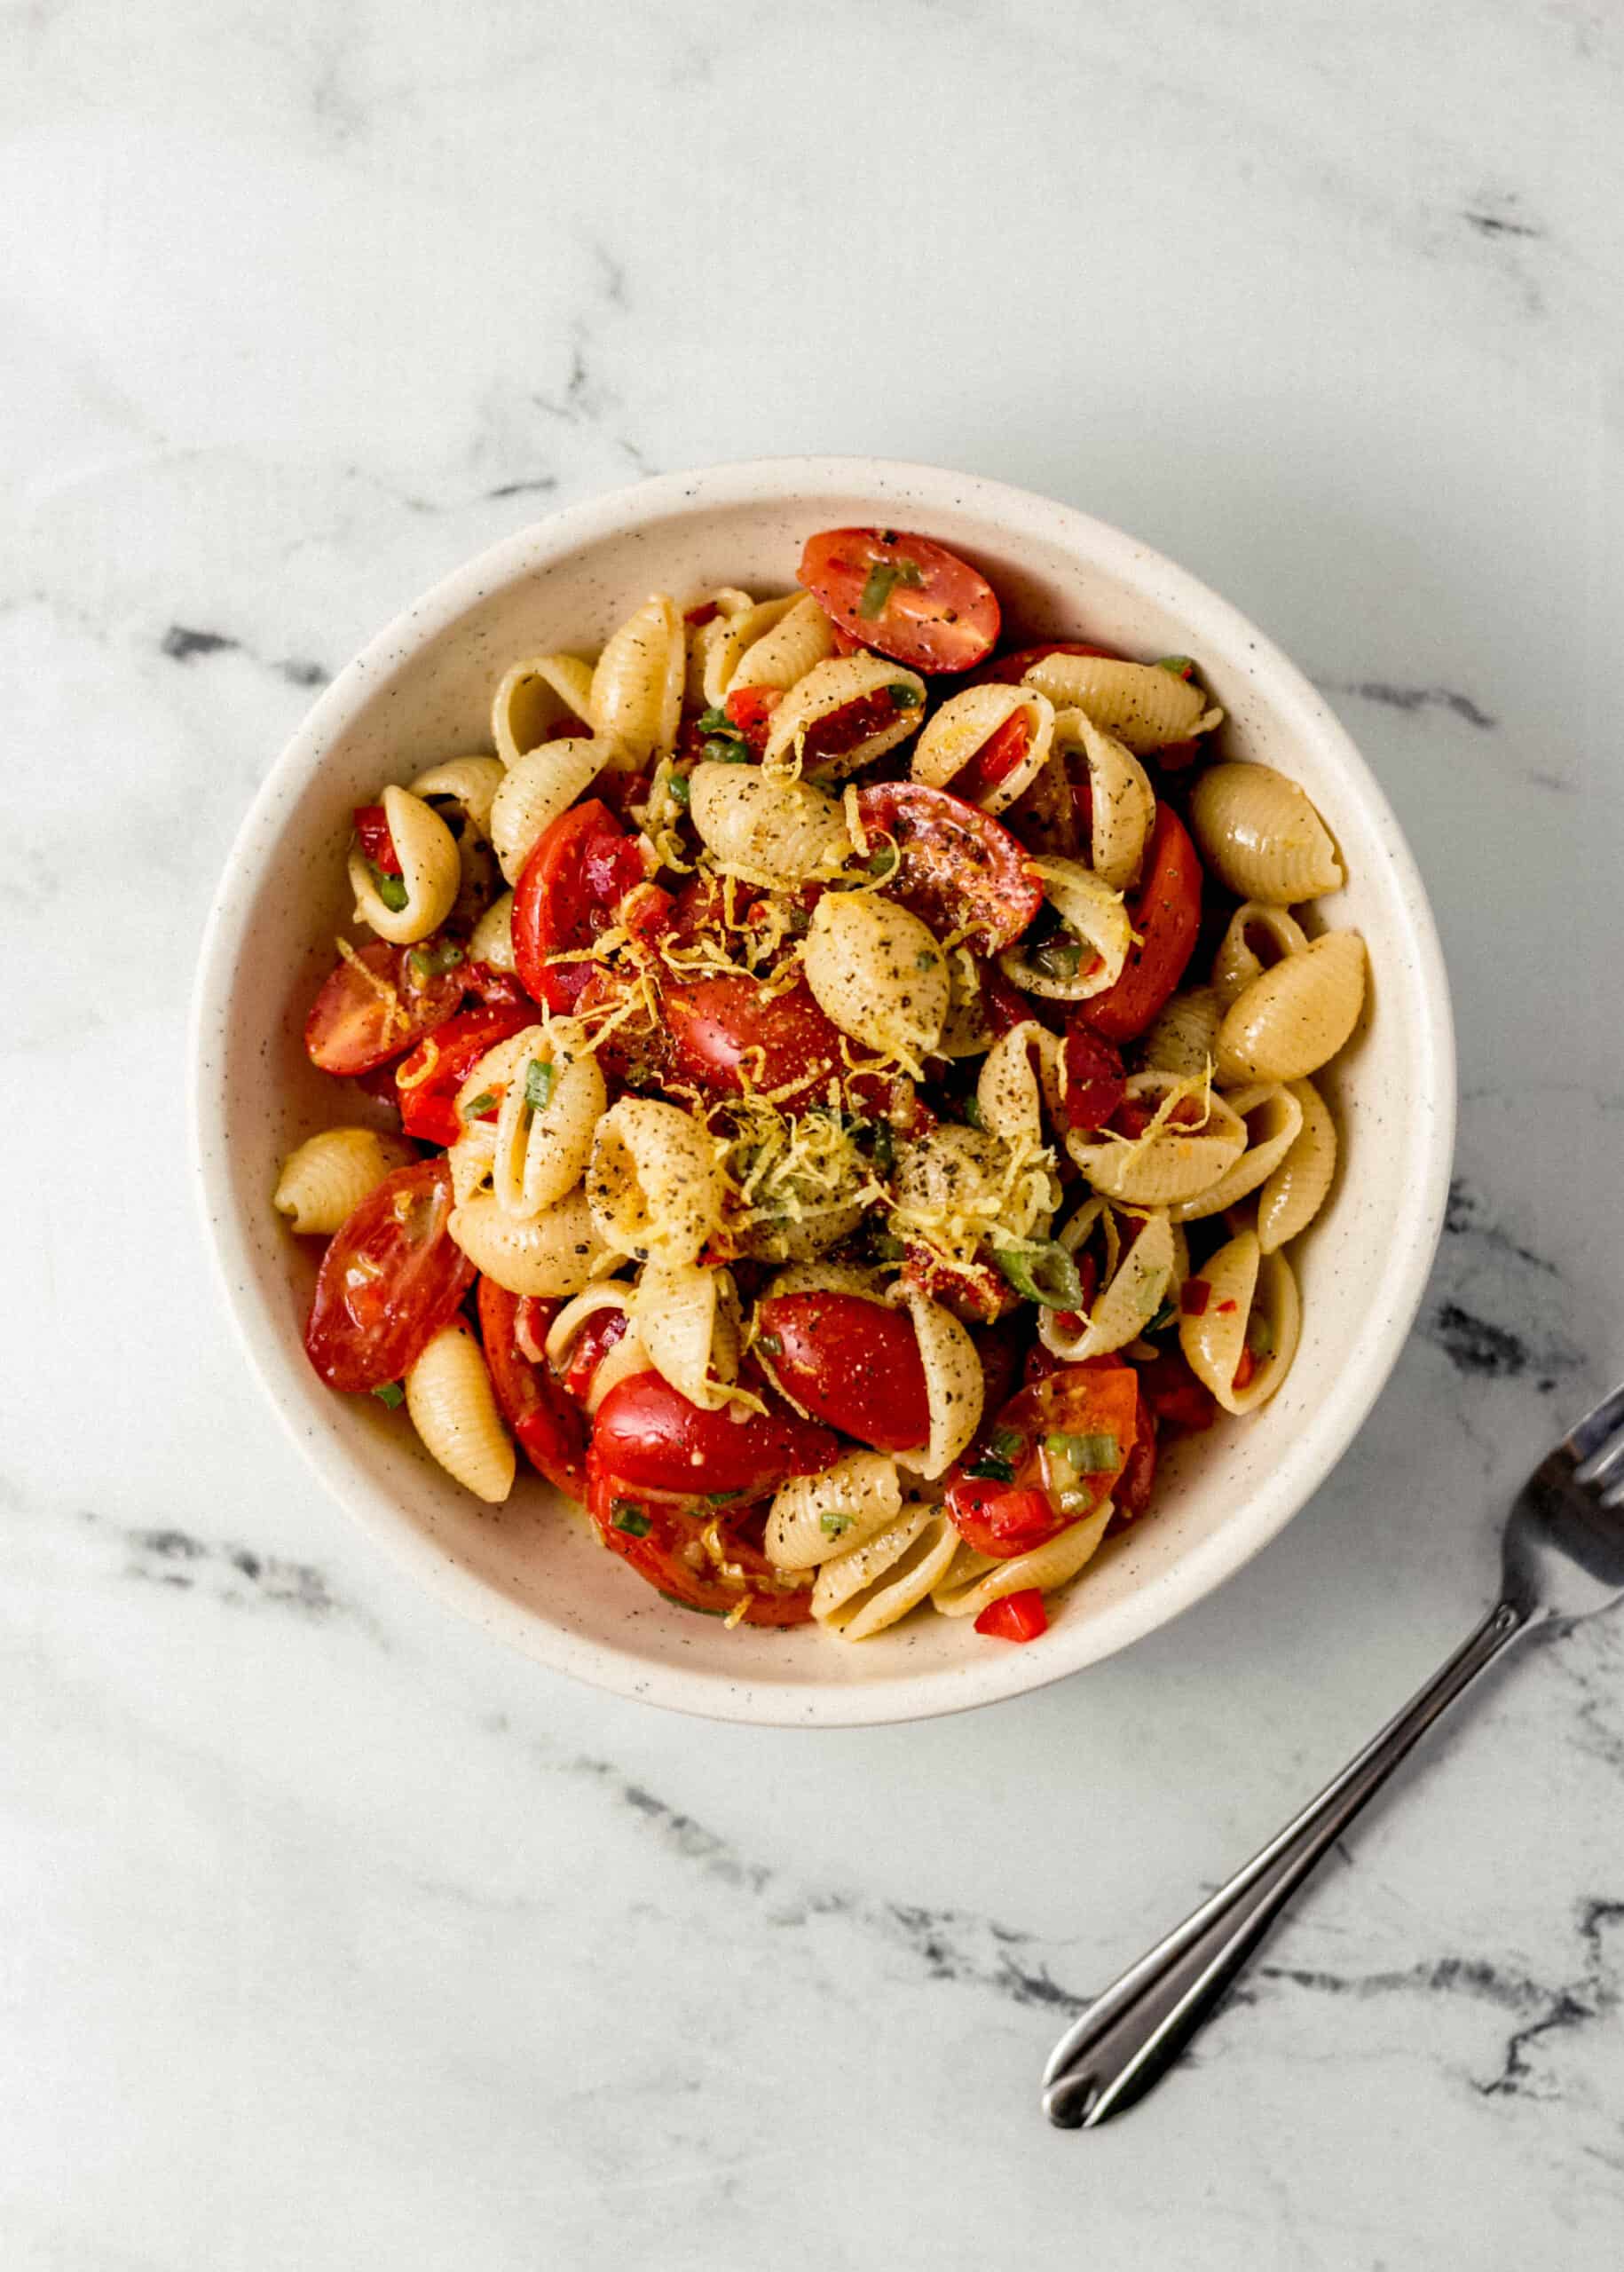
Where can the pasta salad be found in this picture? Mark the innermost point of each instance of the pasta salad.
(850, 1094)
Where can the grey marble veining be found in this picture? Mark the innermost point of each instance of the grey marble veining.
(328, 1934)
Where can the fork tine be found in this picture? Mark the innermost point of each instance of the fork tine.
(1592, 1433)
(1604, 1467)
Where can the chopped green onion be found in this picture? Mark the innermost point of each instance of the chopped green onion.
(1008, 1443)
(626, 1515)
(722, 1498)
(476, 1105)
(1162, 1319)
(697, 1608)
(885, 1146)
(1088, 1454)
(882, 580)
(390, 1392)
(833, 1525)
(1047, 1275)
(729, 751)
(434, 962)
(924, 960)
(990, 1469)
(1259, 1335)
(885, 1248)
(1181, 666)
(1058, 957)
(678, 786)
(391, 889)
(884, 861)
(716, 722)
(904, 697)
(770, 1343)
(973, 1114)
(538, 1085)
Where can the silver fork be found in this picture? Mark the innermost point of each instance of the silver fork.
(1563, 1559)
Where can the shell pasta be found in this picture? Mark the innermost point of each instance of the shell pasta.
(842, 1094)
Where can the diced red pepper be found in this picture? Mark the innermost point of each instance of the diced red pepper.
(377, 845)
(1018, 1617)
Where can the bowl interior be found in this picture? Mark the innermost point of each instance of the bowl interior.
(422, 692)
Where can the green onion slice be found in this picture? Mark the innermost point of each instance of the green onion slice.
(626, 1515)
(390, 1392)
(391, 889)
(476, 1105)
(882, 580)
(1045, 1274)
(833, 1525)
(991, 1470)
(434, 962)
(1088, 1454)
(538, 1085)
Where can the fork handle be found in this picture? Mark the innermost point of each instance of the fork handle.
(1131, 2034)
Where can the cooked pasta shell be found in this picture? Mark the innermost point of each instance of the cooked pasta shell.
(555, 1253)
(686, 1318)
(538, 787)
(957, 1186)
(1168, 1163)
(1256, 938)
(1122, 802)
(726, 639)
(468, 783)
(965, 723)
(829, 686)
(1259, 835)
(1089, 955)
(472, 1160)
(719, 609)
(1240, 1281)
(766, 826)
(326, 1179)
(954, 1382)
(619, 1363)
(537, 701)
(430, 872)
(637, 684)
(1295, 1189)
(972, 1582)
(542, 1148)
(562, 1334)
(1044, 816)
(1142, 705)
(877, 973)
(1274, 1119)
(1183, 1038)
(491, 939)
(786, 650)
(449, 1396)
(826, 1278)
(653, 1184)
(967, 1029)
(1021, 1073)
(1132, 1290)
(861, 1593)
(815, 1518)
(1296, 1016)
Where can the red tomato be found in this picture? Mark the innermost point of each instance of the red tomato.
(653, 1438)
(961, 870)
(858, 721)
(1018, 1617)
(1165, 914)
(851, 1363)
(1088, 1399)
(426, 1082)
(999, 1347)
(377, 845)
(715, 1025)
(1009, 670)
(666, 1549)
(377, 1006)
(389, 1279)
(577, 876)
(1174, 1395)
(542, 1417)
(995, 759)
(648, 914)
(1134, 1485)
(978, 1293)
(589, 1348)
(1005, 1006)
(750, 709)
(490, 986)
(1093, 1074)
(621, 790)
(904, 595)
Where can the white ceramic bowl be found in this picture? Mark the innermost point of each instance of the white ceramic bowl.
(531, 1572)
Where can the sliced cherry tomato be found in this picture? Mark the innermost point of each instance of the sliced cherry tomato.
(1009, 670)
(846, 642)
(581, 870)
(376, 1004)
(750, 709)
(995, 759)
(377, 845)
(543, 1420)
(1134, 1485)
(904, 595)
(1165, 914)
(489, 985)
(1018, 1617)
(997, 1518)
(1079, 1401)
(1000, 1347)
(649, 1434)
(729, 1033)
(389, 1279)
(589, 1348)
(855, 722)
(1174, 1395)
(426, 1083)
(648, 914)
(667, 1549)
(1093, 1074)
(851, 1363)
(1005, 1006)
(959, 869)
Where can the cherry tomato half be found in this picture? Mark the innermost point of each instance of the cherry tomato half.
(1165, 914)
(726, 1033)
(851, 1363)
(1174, 1395)
(578, 872)
(389, 1279)
(904, 595)
(1094, 1079)
(589, 1348)
(426, 1083)
(544, 1421)
(651, 1436)
(377, 845)
(378, 1004)
(667, 1550)
(995, 759)
(998, 1515)
(961, 870)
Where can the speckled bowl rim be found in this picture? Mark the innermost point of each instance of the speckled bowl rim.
(982, 1679)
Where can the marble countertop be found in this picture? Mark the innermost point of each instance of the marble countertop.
(331, 1935)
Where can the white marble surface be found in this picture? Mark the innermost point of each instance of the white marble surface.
(330, 1936)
